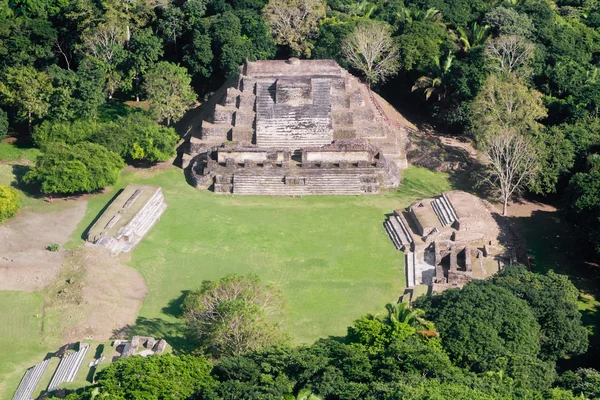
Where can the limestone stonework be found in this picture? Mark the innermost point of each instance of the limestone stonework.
(295, 127)
(128, 218)
(447, 241)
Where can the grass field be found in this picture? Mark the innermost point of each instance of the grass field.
(329, 256)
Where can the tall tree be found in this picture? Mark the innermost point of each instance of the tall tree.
(28, 90)
(144, 51)
(506, 103)
(370, 49)
(510, 54)
(512, 164)
(234, 315)
(168, 89)
(294, 22)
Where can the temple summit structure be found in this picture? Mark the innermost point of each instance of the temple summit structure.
(293, 127)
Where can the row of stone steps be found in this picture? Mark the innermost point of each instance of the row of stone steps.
(321, 185)
(396, 228)
(30, 381)
(444, 210)
(68, 368)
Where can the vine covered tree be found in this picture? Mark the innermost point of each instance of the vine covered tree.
(370, 49)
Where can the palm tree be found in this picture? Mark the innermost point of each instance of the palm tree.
(476, 36)
(402, 313)
(363, 9)
(437, 83)
(429, 15)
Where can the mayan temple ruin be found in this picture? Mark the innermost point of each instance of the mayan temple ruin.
(447, 241)
(293, 127)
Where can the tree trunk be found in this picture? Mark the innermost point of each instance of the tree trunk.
(137, 98)
(30, 119)
(169, 120)
(505, 207)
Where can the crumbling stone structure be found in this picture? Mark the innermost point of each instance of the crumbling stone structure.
(448, 240)
(128, 218)
(140, 345)
(295, 127)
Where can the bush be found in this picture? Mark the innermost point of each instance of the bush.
(10, 202)
(54, 247)
(138, 137)
(84, 167)
(66, 132)
(133, 137)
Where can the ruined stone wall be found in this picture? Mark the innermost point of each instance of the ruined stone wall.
(337, 156)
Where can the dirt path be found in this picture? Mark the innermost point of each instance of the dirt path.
(25, 263)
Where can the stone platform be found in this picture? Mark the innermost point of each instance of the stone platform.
(297, 113)
(128, 218)
(447, 240)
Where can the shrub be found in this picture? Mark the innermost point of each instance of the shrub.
(54, 247)
(84, 167)
(138, 137)
(10, 201)
(66, 132)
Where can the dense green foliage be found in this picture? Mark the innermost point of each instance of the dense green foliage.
(536, 60)
(66, 169)
(398, 355)
(10, 201)
(156, 377)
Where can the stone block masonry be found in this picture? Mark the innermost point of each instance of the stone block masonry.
(128, 218)
(305, 107)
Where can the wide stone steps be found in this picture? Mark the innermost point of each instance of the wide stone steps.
(68, 368)
(146, 217)
(30, 381)
(444, 210)
(397, 231)
(275, 185)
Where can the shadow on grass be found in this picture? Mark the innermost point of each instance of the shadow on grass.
(84, 234)
(172, 331)
(175, 306)
(30, 190)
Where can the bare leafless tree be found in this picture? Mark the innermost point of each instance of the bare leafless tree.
(512, 164)
(293, 22)
(371, 50)
(510, 54)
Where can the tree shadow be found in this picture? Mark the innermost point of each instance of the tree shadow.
(551, 244)
(172, 331)
(175, 307)
(30, 190)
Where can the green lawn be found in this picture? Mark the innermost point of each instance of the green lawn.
(329, 256)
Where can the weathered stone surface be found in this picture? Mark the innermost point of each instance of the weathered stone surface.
(311, 108)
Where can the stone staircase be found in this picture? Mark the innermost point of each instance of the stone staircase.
(278, 185)
(397, 230)
(444, 210)
(30, 381)
(68, 368)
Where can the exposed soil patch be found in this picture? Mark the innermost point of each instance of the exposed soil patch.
(25, 263)
(96, 294)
